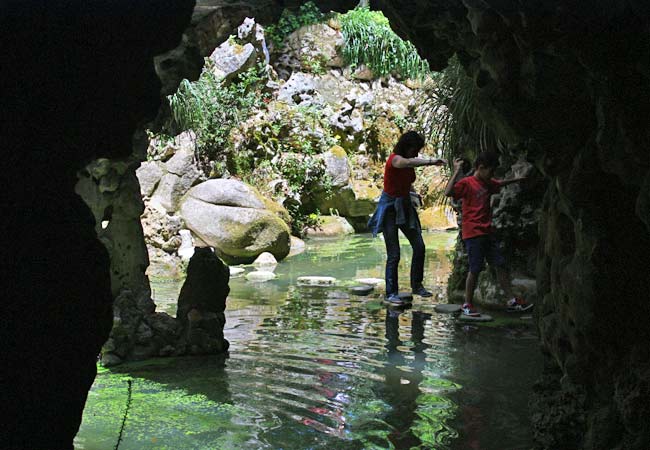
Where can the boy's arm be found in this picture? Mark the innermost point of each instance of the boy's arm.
(458, 164)
(399, 162)
(511, 181)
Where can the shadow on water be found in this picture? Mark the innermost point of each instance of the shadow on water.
(318, 368)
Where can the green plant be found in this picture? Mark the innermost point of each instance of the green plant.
(449, 114)
(369, 40)
(211, 108)
(308, 14)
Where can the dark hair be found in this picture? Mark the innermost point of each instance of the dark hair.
(409, 140)
(487, 159)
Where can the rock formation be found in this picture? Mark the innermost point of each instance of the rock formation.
(567, 81)
(570, 85)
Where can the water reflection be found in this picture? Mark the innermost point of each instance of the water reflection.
(318, 368)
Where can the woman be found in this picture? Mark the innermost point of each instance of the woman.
(396, 211)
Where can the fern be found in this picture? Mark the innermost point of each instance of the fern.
(369, 40)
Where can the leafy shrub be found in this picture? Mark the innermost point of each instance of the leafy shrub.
(369, 40)
(308, 14)
(211, 108)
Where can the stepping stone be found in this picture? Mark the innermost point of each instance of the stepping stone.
(406, 297)
(361, 290)
(234, 271)
(481, 318)
(316, 281)
(371, 281)
(447, 308)
(260, 276)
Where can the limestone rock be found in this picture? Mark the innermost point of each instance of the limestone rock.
(201, 303)
(186, 249)
(265, 259)
(331, 226)
(171, 189)
(149, 174)
(260, 276)
(316, 281)
(231, 59)
(238, 233)
(337, 166)
(297, 246)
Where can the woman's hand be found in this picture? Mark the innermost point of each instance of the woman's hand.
(438, 162)
(458, 164)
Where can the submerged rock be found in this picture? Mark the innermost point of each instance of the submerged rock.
(316, 281)
(260, 276)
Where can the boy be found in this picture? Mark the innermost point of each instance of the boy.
(476, 229)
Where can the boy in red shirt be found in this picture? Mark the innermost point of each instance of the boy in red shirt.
(476, 228)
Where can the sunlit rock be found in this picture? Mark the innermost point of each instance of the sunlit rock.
(330, 226)
(233, 218)
(316, 281)
(260, 276)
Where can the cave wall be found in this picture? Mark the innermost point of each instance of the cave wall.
(77, 80)
(569, 82)
(569, 85)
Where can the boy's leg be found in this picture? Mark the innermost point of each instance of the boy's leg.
(392, 252)
(476, 247)
(496, 259)
(470, 287)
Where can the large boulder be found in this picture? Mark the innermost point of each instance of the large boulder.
(234, 218)
(149, 174)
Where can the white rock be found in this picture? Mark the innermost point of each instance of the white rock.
(297, 246)
(260, 276)
(265, 259)
(316, 281)
(371, 281)
(186, 250)
(235, 271)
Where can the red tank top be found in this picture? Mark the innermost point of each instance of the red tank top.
(397, 182)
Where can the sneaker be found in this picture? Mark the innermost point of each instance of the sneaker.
(468, 310)
(517, 304)
(422, 292)
(394, 299)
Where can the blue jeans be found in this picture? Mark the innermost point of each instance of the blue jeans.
(393, 253)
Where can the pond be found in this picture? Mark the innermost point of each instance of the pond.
(316, 368)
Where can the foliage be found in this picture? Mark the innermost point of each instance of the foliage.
(308, 14)
(449, 112)
(293, 177)
(370, 40)
(211, 108)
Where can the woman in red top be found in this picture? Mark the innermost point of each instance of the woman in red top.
(395, 211)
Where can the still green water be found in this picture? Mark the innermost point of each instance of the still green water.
(316, 368)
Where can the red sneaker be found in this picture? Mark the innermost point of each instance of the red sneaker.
(468, 310)
(517, 304)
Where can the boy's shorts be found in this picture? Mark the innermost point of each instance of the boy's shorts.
(479, 249)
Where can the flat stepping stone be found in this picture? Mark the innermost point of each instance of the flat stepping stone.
(361, 290)
(316, 281)
(260, 276)
(371, 281)
(448, 308)
(481, 318)
(234, 271)
(406, 297)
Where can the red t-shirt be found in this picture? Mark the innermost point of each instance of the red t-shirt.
(477, 214)
(397, 182)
